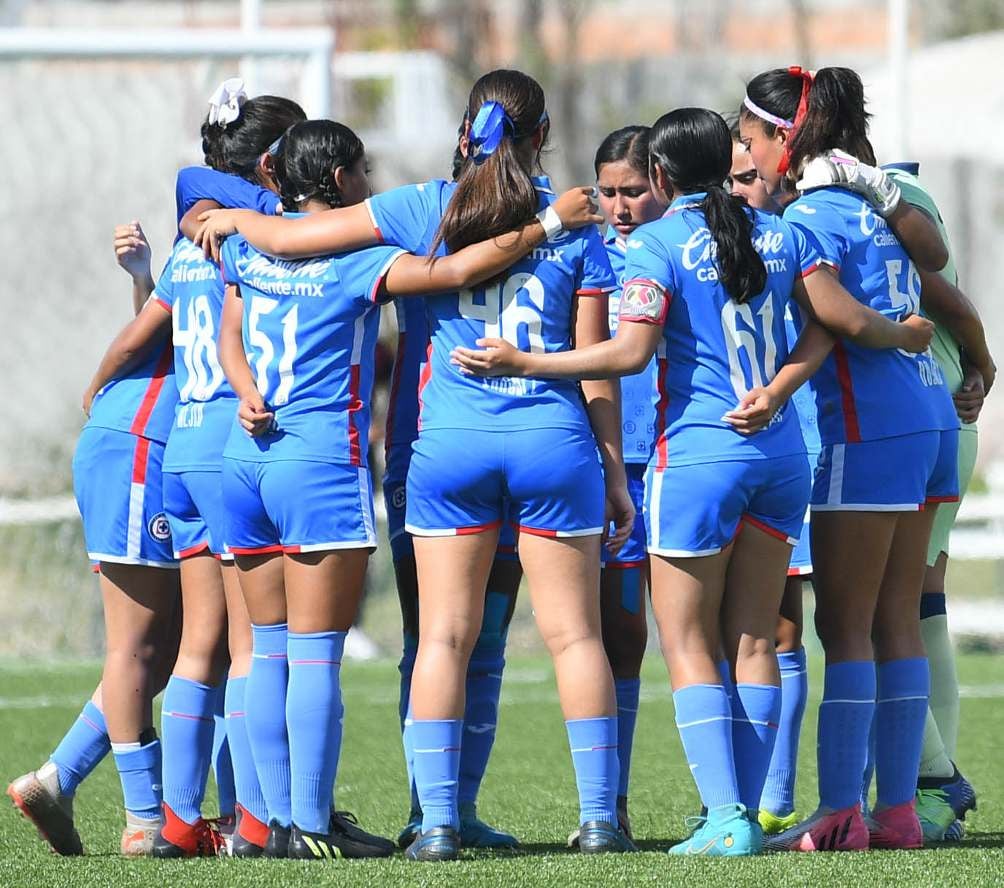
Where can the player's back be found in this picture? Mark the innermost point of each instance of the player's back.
(863, 393)
(714, 349)
(310, 328)
(530, 305)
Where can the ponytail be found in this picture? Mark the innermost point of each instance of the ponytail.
(820, 112)
(494, 191)
(740, 267)
(693, 148)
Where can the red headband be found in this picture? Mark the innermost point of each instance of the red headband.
(803, 104)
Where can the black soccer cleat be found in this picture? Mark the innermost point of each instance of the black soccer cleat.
(277, 843)
(435, 845)
(599, 837)
(344, 838)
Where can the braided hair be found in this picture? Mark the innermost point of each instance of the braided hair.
(307, 158)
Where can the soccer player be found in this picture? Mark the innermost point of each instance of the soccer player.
(877, 410)
(189, 298)
(626, 200)
(310, 328)
(944, 796)
(118, 486)
(706, 288)
(777, 811)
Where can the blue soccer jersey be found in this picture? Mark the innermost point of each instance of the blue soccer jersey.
(192, 290)
(412, 351)
(863, 394)
(638, 392)
(715, 350)
(804, 398)
(202, 183)
(142, 401)
(531, 307)
(310, 329)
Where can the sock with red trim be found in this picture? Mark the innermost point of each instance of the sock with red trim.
(314, 720)
(265, 717)
(756, 710)
(81, 749)
(187, 726)
(594, 754)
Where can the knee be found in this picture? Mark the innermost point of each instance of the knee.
(564, 640)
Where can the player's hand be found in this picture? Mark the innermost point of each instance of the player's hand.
(255, 418)
(970, 396)
(214, 226)
(132, 250)
(754, 412)
(620, 512)
(917, 333)
(577, 208)
(499, 358)
(839, 168)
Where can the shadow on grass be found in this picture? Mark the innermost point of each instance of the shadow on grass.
(979, 840)
(537, 849)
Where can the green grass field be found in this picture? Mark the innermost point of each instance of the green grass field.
(529, 790)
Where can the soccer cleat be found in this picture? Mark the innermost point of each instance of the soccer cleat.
(772, 824)
(138, 835)
(599, 837)
(176, 838)
(895, 828)
(411, 830)
(250, 835)
(935, 813)
(36, 795)
(958, 791)
(344, 838)
(726, 832)
(356, 842)
(955, 833)
(437, 844)
(842, 830)
(277, 843)
(475, 833)
(623, 821)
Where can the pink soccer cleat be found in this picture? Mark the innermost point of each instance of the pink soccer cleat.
(842, 830)
(897, 827)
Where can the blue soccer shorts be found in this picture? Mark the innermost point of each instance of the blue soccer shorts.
(634, 553)
(117, 481)
(899, 474)
(193, 501)
(295, 506)
(696, 510)
(801, 556)
(468, 481)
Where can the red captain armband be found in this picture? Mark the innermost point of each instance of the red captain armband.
(643, 302)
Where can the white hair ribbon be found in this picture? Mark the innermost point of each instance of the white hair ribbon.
(225, 103)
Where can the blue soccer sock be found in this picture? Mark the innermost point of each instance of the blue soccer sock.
(866, 779)
(756, 710)
(845, 717)
(704, 720)
(223, 763)
(139, 771)
(265, 718)
(406, 667)
(246, 786)
(594, 754)
(903, 689)
(81, 749)
(436, 748)
(484, 687)
(779, 788)
(628, 690)
(187, 726)
(314, 720)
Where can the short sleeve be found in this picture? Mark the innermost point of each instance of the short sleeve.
(806, 254)
(647, 259)
(824, 230)
(401, 216)
(163, 292)
(233, 192)
(595, 277)
(362, 273)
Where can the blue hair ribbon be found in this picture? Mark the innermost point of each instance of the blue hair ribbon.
(488, 130)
